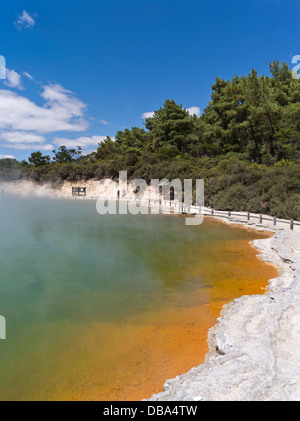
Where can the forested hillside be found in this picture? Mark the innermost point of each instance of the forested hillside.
(246, 146)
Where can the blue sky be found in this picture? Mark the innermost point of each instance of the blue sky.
(77, 70)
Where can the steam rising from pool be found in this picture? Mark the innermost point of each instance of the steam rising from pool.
(72, 282)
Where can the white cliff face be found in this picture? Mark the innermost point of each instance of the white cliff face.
(255, 345)
(94, 189)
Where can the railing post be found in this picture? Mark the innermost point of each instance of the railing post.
(292, 224)
(248, 216)
(260, 218)
(212, 211)
(229, 213)
(274, 220)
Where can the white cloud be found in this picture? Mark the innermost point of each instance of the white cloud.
(28, 75)
(15, 137)
(148, 115)
(13, 79)
(7, 156)
(104, 122)
(84, 141)
(25, 20)
(194, 111)
(29, 146)
(24, 124)
(61, 112)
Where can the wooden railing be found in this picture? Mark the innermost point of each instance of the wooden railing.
(177, 207)
(252, 216)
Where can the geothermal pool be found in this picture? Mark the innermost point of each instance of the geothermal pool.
(109, 307)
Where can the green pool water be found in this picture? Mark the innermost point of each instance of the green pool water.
(63, 268)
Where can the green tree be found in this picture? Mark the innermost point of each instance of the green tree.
(64, 155)
(38, 159)
(169, 128)
(106, 149)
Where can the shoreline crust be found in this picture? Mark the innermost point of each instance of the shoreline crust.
(254, 347)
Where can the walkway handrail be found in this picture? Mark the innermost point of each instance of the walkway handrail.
(203, 210)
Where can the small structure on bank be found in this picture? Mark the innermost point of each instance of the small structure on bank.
(78, 191)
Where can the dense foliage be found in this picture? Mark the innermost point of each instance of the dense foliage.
(245, 145)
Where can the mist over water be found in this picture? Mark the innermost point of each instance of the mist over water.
(65, 268)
